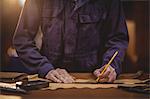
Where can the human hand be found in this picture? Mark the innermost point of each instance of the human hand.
(60, 76)
(108, 76)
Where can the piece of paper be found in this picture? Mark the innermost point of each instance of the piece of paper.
(54, 86)
(90, 82)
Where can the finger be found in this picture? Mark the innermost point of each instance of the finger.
(106, 73)
(66, 76)
(53, 78)
(103, 80)
(69, 79)
(66, 80)
(58, 76)
(63, 77)
(111, 79)
(112, 76)
(61, 71)
(64, 72)
(74, 78)
(98, 71)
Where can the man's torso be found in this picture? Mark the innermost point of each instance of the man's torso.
(72, 33)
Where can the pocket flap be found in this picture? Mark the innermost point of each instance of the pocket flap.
(89, 18)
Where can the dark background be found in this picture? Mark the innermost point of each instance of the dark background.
(136, 11)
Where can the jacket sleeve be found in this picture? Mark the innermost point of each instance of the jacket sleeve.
(116, 33)
(23, 39)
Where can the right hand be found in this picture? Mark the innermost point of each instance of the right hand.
(108, 76)
(60, 76)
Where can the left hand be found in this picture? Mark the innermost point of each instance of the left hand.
(60, 76)
(108, 76)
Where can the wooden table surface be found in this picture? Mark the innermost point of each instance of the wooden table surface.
(85, 93)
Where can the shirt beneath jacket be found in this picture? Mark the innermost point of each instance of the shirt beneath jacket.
(78, 35)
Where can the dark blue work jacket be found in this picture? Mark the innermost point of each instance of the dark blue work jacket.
(78, 35)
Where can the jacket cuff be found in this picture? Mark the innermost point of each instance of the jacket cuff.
(117, 69)
(44, 70)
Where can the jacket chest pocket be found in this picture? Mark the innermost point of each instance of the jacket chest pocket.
(92, 14)
(88, 18)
